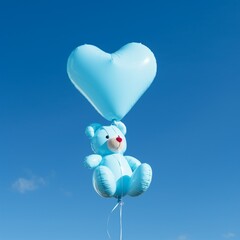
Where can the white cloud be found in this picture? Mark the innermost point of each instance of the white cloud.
(229, 235)
(23, 185)
(182, 237)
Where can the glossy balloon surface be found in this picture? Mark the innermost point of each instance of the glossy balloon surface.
(112, 83)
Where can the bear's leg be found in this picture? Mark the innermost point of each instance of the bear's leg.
(140, 180)
(104, 182)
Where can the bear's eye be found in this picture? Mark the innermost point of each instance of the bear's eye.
(107, 137)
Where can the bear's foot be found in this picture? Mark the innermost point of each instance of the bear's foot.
(140, 180)
(104, 181)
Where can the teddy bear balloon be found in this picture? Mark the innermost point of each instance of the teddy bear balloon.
(115, 175)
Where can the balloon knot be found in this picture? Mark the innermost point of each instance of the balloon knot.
(120, 201)
(114, 122)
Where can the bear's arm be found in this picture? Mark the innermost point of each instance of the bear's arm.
(133, 162)
(92, 160)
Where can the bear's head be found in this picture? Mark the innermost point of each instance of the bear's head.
(107, 139)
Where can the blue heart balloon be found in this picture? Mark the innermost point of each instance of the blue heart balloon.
(112, 83)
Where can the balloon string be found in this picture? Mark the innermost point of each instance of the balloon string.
(119, 203)
(120, 218)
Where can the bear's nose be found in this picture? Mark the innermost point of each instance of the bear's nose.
(119, 139)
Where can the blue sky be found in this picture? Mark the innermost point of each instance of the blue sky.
(186, 126)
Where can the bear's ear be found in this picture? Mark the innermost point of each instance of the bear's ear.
(121, 126)
(90, 130)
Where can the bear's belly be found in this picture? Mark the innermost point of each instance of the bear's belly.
(118, 165)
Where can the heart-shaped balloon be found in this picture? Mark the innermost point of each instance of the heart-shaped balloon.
(112, 83)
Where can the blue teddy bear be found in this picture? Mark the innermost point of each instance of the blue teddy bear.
(115, 175)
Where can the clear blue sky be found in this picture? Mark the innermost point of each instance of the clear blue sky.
(186, 126)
